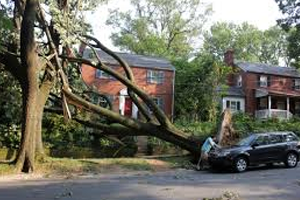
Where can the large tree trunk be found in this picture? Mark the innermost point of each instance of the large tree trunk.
(30, 89)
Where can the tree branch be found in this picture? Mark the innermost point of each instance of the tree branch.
(127, 70)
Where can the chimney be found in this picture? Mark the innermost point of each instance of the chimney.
(229, 57)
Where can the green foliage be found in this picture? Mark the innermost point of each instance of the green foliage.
(249, 43)
(245, 124)
(196, 83)
(57, 133)
(10, 110)
(198, 129)
(159, 27)
(290, 23)
(71, 22)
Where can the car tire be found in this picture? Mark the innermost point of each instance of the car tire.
(291, 160)
(240, 164)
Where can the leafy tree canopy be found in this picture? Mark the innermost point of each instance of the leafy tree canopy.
(249, 43)
(290, 22)
(159, 27)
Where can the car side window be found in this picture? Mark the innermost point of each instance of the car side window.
(290, 138)
(262, 140)
(276, 139)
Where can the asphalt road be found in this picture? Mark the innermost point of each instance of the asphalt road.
(262, 183)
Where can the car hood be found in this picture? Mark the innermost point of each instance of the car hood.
(234, 148)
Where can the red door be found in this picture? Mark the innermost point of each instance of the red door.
(128, 107)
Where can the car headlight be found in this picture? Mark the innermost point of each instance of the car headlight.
(223, 153)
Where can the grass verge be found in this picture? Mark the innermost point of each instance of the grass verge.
(67, 166)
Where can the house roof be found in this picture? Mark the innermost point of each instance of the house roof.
(135, 60)
(268, 69)
(232, 91)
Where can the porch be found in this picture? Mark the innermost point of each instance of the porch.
(277, 106)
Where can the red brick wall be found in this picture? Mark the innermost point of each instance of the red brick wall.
(113, 87)
(278, 83)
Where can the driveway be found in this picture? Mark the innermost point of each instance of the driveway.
(261, 183)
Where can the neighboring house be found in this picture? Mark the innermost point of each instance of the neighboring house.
(152, 74)
(262, 90)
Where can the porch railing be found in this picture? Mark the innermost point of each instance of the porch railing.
(273, 113)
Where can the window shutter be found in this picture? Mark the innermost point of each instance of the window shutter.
(269, 81)
(227, 104)
(238, 105)
(294, 84)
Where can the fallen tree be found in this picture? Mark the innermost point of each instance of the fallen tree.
(31, 62)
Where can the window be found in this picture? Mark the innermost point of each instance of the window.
(155, 76)
(233, 105)
(276, 139)
(103, 75)
(290, 137)
(262, 140)
(264, 81)
(239, 81)
(159, 101)
(297, 84)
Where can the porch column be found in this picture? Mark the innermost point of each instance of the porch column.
(288, 107)
(269, 106)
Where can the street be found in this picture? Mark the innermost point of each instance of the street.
(260, 183)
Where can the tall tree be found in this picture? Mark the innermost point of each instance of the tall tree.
(159, 27)
(290, 23)
(33, 68)
(249, 43)
(196, 94)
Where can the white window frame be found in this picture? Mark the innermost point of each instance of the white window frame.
(233, 104)
(263, 81)
(154, 76)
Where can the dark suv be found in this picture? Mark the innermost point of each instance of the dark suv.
(262, 148)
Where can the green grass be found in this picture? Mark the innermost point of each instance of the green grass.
(6, 169)
(66, 166)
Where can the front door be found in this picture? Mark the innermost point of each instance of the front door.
(128, 107)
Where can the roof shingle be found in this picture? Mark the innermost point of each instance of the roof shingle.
(134, 60)
(268, 69)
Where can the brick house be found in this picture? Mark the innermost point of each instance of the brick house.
(154, 75)
(262, 90)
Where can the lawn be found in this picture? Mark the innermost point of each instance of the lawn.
(67, 166)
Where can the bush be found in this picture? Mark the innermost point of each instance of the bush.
(245, 124)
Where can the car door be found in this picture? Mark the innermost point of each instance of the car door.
(260, 151)
(277, 147)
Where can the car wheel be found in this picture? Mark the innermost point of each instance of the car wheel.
(291, 160)
(240, 164)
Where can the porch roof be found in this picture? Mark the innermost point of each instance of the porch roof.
(231, 91)
(264, 92)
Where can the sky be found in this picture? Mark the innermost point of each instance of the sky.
(261, 13)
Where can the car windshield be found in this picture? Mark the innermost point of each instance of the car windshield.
(246, 141)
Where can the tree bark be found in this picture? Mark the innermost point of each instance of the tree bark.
(30, 89)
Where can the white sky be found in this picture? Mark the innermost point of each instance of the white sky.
(261, 13)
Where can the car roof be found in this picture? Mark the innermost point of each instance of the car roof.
(275, 133)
